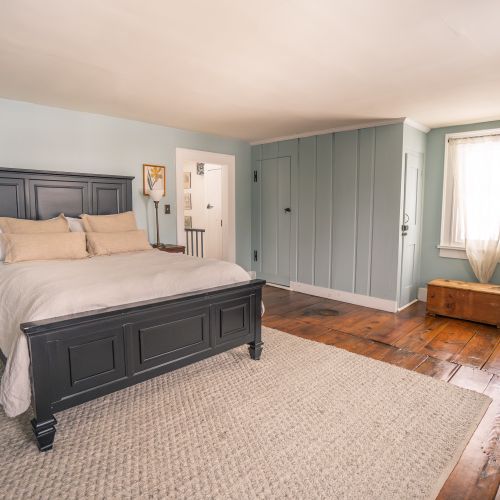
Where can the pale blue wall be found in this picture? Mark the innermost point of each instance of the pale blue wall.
(434, 266)
(41, 137)
(346, 196)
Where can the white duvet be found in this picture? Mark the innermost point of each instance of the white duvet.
(45, 289)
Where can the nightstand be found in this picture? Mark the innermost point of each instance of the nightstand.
(170, 248)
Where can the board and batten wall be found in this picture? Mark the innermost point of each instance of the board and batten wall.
(433, 265)
(48, 138)
(346, 190)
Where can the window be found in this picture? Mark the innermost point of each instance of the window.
(471, 189)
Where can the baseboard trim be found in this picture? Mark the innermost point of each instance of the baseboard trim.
(422, 294)
(283, 287)
(351, 298)
(407, 305)
(252, 274)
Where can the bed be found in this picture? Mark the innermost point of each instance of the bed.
(98, 325)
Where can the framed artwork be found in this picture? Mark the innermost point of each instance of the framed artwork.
(188, 222)
(187, 180)
(187, 201)
(154, 177)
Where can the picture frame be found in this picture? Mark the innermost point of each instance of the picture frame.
(188, 222)
(187, 180)
(154, 177)
(188, 205)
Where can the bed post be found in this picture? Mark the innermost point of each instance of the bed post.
(44, 423)
(255, 347)
(45, 432)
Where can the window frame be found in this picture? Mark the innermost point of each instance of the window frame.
(448, 247)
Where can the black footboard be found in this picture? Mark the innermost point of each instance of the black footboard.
(81, 357)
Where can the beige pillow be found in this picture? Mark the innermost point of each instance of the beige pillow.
(109, 243)
(46, 246)
(109, 223)
(26, 226)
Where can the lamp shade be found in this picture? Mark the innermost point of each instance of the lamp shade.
(156, 194)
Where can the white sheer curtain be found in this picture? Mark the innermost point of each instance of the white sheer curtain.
(476, 170)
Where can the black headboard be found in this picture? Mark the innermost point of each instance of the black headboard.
(42, 194)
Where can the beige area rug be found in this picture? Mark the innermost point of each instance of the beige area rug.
(307, 421)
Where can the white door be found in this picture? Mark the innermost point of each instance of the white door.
(213, 213)
(410, 228)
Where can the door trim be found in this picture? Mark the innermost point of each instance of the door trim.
(182, 156)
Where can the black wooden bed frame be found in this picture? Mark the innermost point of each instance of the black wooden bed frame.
(81, 357)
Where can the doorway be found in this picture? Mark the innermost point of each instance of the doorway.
(206, 204)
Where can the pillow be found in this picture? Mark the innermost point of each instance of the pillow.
(2, 247)
(75, 224)
(124, 241)
(44, 246)
(109, 223)
(26, 226)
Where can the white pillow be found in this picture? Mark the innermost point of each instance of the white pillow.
(2, 247)
(75, 225)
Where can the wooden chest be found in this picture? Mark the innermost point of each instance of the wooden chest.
(463, 300)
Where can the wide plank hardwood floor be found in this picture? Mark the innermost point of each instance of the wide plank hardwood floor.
(462, 353)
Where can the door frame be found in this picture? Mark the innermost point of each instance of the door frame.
(228, 163)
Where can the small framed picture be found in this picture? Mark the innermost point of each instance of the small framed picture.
(188, 222)
(154, 177)
(187, 180)
(187, 201)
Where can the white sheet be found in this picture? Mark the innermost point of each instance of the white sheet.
(39, 290)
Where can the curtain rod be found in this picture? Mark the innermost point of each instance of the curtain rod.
(473, 137)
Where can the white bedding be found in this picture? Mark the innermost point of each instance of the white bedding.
(39, 290)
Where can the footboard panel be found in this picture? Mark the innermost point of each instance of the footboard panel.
(78, 358)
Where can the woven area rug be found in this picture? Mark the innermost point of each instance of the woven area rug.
(307, 421)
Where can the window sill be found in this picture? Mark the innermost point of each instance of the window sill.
(452, 252)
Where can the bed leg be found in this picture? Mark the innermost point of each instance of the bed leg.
(255, 349)
(44, 432)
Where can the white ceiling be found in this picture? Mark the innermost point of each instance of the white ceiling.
(256, 69)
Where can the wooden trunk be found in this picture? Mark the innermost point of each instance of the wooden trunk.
(469, 301)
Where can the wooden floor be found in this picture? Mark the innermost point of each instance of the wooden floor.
(462, 353)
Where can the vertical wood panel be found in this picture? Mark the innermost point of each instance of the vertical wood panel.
(322, 249)
(344, 210)
(307, 169)
(269, 219)
(386, 210)
(290, 148)
(284, 219)
(256, 207)
(365, 209)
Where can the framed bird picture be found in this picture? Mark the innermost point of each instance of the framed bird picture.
(154, 177)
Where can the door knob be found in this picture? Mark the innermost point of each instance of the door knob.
(288, 210)
(210, 206)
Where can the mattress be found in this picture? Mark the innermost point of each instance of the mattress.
(39, 290)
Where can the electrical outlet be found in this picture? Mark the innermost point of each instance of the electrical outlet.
(167, 209)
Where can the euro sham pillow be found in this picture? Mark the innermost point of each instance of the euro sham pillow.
(44, 246)
(119, 242)
(75, 224)
(109, 223)
(10, 225)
